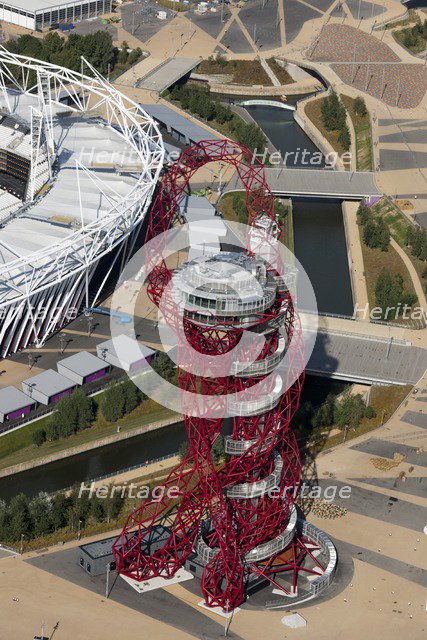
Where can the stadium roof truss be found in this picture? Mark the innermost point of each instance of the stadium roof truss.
(24, 276)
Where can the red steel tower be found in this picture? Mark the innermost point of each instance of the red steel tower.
(236, 324)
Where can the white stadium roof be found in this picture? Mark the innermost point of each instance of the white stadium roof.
(42, 5)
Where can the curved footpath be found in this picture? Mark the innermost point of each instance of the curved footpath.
(412, 272)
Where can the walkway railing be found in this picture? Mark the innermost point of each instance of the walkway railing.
(140, 465)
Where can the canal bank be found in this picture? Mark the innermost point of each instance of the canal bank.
(320, 238)
(129, 452)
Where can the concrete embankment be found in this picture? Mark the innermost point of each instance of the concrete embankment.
(102, 442)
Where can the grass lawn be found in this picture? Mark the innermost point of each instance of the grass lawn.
(17, 446)
(313, 112)
(398, 225)
(242, 72)
(362, 130)
(385, 400)
(281, 74)
(374, 261)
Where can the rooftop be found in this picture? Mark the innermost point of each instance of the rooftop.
(41, 5)
(83, 363)
(11, 399)
(49, 382)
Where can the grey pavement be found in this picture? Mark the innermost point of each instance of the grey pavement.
(379, 506)
(413, 486)
(382, 561)
(413, 135)
(235, 40)
(158, 604)
(365, 10)
(263, 21)
(296, 14)
(395, 159)
(415, 418)
(167, 73)
(285, 181)
(386, 449)
(145, 24)
(85, 27)
(209, 22)
(353, 358)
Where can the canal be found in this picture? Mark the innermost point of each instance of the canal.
(127, 453)
(319, 235)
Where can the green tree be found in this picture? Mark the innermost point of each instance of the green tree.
(360, 107)
(364, 214)
(344, 137)
(130, 395)
(164, 367)
(113, 403)
(349, 411)
(40, 510)
(39, 437)
(19, 517)
(60, 505)
(134, 56)
(123, 53)
(370, 412)
(4, 521)
(52, 432)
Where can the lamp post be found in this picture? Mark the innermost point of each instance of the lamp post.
(89, 324)
(30, 359)
(62, 342)
(227, 606)
(79, 529)
(107, 583)
(22, 543)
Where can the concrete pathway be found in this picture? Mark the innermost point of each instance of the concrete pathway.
(356, 257)
(412, 272)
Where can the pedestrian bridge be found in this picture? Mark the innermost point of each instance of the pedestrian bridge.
(266, 103)
(316, 183)
(358, 351)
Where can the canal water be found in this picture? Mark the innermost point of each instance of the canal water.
(286, 135)
(319, 235)
(127, 453)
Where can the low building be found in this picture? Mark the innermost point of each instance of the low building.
(94, 557)
(14, 404)
(122, 352)
(48, 387)
(41, 14)
(83, 367)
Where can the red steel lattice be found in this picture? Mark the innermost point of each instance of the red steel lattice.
(161, 535)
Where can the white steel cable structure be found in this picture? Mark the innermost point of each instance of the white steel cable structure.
(43, 278)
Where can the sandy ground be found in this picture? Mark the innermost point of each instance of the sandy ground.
(384, 598)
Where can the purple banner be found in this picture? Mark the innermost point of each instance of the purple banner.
(19, 413)
(54, 399)
(95, 376)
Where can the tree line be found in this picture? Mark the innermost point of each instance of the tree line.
(376, 234)
(97, 48)
(391, 296)
(43, 514)
(346, 411)
(334, 119)
(197, 99)
(416, 240)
